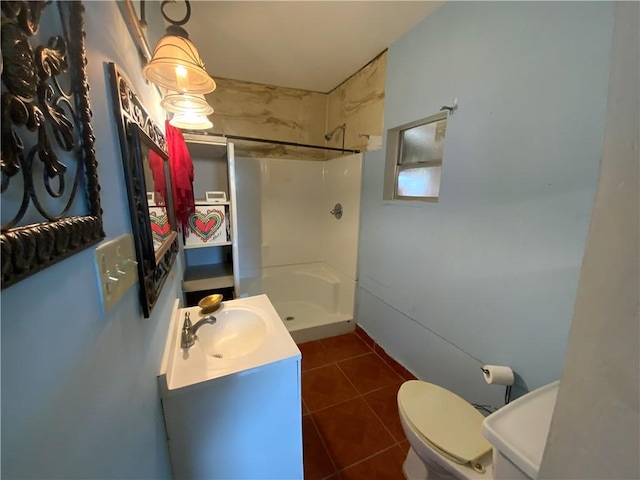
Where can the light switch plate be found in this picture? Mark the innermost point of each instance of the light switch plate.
(117, 269)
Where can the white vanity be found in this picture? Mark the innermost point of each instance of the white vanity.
(232, 401)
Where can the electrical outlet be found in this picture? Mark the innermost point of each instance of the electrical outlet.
(116, 268)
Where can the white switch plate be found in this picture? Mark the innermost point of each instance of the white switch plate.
(117, 269)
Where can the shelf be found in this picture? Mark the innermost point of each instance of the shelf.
(202, 203)
(204, 245)
(207, 277)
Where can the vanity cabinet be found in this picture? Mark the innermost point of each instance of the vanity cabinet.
(210, 242)
(232, 407)
(242, 426)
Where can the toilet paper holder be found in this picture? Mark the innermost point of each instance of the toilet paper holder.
(488, 370)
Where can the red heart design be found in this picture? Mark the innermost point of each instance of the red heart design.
(207, 225)
(160, 228)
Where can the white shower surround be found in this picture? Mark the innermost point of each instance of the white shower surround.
(292, 249)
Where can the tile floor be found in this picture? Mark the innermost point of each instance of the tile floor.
(350, 423)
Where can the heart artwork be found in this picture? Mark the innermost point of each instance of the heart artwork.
(207, 225)
(160, 228)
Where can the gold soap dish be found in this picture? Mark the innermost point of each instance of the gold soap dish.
(209, 303)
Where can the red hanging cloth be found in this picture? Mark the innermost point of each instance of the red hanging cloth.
(181, 175)
(156, 164)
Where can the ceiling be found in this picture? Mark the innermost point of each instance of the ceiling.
(313, 45)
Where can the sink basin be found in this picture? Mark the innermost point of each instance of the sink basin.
(247, 336)
(236, 333)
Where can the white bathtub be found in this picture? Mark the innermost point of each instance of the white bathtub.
(314, 300)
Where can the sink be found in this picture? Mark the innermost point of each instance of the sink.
(518, 432)
(227, 395)
(248, 335)
(237, 332)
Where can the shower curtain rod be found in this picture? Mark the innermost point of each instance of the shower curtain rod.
(277, 142)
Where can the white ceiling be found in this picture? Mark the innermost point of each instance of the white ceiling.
(313, 45)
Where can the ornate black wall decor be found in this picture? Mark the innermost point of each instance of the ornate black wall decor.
(139, 136)
(48, 159)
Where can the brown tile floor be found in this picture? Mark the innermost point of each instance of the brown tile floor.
(350, 423)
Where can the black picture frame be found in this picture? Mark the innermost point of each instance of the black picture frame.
(137, 131)
(46, 127)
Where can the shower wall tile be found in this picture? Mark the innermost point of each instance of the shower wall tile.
(299, 116)
(269, 112)
(359, 102)
(272, 150)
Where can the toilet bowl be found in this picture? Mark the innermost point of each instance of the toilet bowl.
(444, 432)
(447, 434)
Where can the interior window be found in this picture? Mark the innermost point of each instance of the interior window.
(414, 159)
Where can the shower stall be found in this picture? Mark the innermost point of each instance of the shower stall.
(288, 229)
(296, 244)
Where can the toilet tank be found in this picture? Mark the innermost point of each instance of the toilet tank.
(518, 433)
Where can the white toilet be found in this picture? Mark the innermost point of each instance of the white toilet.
(450, 439)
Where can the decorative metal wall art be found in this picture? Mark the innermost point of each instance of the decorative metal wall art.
(50, 191)
(141, 141)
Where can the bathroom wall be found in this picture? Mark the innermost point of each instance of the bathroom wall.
(267, 111)
(359, 102)
(300, 116)
(594, 430)
(283, 213)
(79, 393)
(488, 274)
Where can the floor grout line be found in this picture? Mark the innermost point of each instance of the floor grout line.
(351, 398)
(335, 362)
(349, 380)
(326, 449)
(391, 367)
(369, 457)
(373, 454)
(359, 395)
(380, 419)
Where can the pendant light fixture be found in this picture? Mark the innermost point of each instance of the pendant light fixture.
(176, 63)
(189, 110)
(176, 102)
(190, 121)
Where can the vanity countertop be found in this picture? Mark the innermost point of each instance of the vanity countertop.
(270, 342)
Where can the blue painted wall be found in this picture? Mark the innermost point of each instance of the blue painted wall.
(79, 394)
(489, 273)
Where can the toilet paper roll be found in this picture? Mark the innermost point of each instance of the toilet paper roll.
(497, 375)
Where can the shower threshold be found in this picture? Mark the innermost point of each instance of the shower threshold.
(307, 322)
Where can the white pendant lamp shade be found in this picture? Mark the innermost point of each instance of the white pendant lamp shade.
(176, 65)
(175, 102)
(189, 121)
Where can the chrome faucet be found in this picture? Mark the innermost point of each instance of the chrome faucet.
(189, 331)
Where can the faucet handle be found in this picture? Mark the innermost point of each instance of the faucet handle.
(188, 338)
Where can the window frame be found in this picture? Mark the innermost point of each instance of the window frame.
(393, 155)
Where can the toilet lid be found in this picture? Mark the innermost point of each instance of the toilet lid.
(447, 421)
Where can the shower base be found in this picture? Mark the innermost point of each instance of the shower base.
(307, 321)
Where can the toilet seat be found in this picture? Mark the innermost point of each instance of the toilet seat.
(448, 423)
